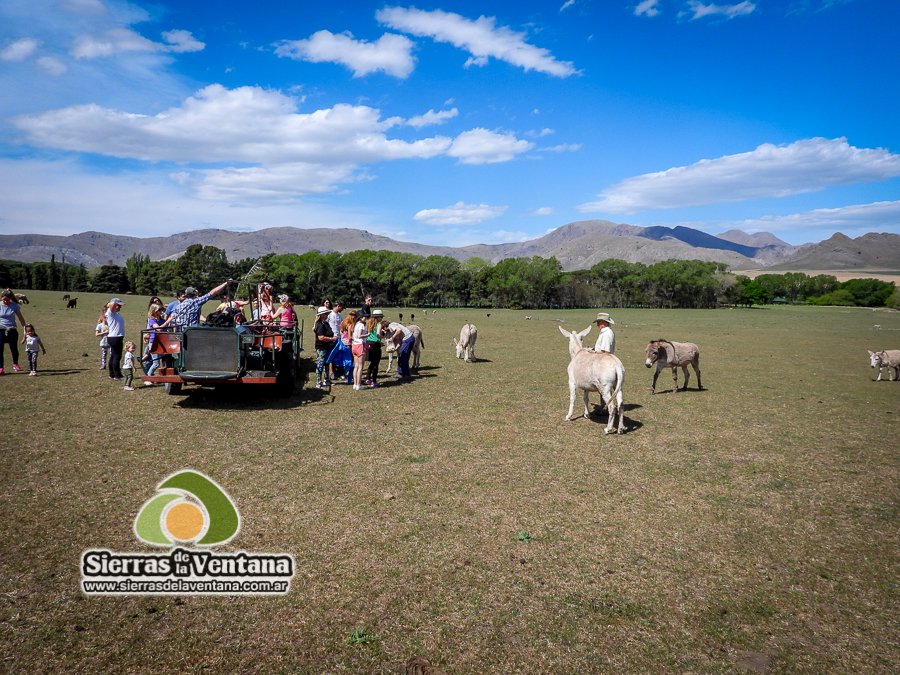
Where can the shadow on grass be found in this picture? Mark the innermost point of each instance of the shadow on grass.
(601, 416)
(597, 408)
(249, 397)
(692, 390)
(53, 373)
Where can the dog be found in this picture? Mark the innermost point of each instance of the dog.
(72, 303)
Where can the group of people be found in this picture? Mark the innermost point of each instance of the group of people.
(10, 310)
(183, 312)
(351, 346)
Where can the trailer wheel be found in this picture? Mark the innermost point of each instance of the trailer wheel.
(173, 388)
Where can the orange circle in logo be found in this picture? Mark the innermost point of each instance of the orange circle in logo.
(184, 521)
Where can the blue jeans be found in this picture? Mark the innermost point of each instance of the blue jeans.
(154, 365)
(403, 357)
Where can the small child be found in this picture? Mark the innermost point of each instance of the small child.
(128, 366)
(101, 331)
(32, 343)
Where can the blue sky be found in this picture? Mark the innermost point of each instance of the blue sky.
(450, 122)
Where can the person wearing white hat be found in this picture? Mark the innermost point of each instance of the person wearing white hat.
(325, 340)
(606, 341)
(115, 338)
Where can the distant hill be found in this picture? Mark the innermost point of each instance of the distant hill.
(577, 245)
(872, 251)
(757, 239)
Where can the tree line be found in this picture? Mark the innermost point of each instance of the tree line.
(440, 281)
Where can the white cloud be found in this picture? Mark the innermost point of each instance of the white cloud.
(543, 211)
(181, 41)
(148, 203)
(480, 146)
(700, 9)
(391, 54)
(52, 65)
(122, 40)
(83, 6)
(460, 213)
(768, 171)
(566, 5)
(132, 79)
(280, 183)
(431, 118)
(647, 8)
(481, 38)
(19, 50)
(265, 148)
(540, 133)
(247, 124)
(563, 147)
(874, 217)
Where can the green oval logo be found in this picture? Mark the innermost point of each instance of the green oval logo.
(190, 507)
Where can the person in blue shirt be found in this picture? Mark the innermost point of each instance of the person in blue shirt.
(188, 312)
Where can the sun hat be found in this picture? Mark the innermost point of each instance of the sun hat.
(283, 297)
(116, 301)
(603, 316)
(377, 313)
(322, 310)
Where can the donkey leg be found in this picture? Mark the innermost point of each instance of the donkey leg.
(587, 412)
(674, 378)
(621, 409)
(571, 402)
(687, 377)
(607, 398)
(655, 376)
(697, 370)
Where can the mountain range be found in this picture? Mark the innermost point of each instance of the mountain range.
(577, 245)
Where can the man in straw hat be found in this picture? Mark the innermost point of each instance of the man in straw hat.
(606, 341)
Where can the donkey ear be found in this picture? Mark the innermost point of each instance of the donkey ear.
(585, 331)
(564, 331)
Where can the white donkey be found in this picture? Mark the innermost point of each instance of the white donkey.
(886, 358)
(465, 346)
(595, 371)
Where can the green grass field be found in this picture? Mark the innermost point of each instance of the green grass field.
(750, 527)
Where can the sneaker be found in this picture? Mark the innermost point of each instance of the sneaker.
(148, 384)
(33, 373)
(17, 368)
(129, 388)
(1, 371)
(326, 383)
(374, 384)
(356, 387)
